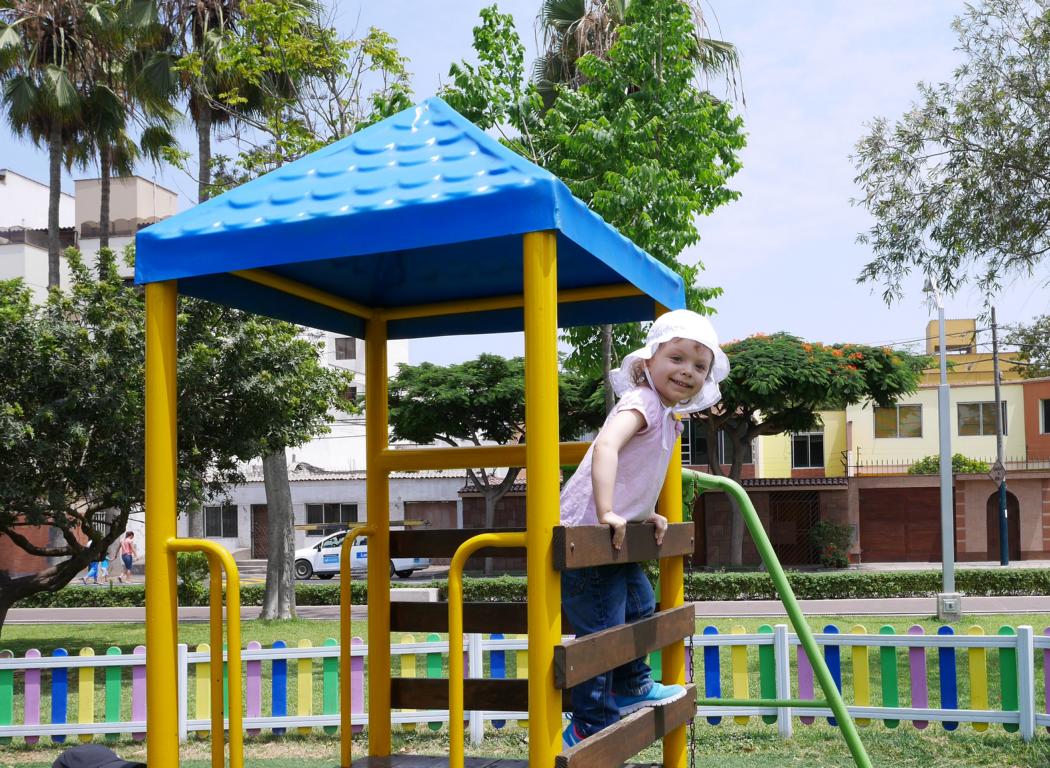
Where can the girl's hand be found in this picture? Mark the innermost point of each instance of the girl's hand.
(661, 527)
(619, 528)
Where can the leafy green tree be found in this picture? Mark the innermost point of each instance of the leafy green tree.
(480, 402)
(1032, 341)
(639, 141)
(778, 384)
(42, 65)
(574, 28)
(72, 411)
(959, 187)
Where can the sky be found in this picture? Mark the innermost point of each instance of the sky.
(814, 72)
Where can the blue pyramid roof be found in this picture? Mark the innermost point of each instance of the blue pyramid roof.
(422, 207)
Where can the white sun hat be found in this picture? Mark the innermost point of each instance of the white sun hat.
(679, 324)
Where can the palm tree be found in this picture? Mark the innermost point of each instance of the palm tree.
(130, 79)
(572, 29)
(197, 29)
(42, 61)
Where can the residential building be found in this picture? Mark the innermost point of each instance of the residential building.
(856, 468)
(324, 502)
(23, 229)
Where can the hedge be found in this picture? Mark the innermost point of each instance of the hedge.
(718, 585)
(134, 596)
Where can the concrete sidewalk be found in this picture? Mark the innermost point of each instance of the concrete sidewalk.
(713, 609)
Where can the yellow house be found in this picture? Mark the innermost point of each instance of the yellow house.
(967, 363)
(889, 440)
(863, 440)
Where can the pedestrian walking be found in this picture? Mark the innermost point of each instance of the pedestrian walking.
(127, 555)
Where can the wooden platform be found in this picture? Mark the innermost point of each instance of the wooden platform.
(423, 761)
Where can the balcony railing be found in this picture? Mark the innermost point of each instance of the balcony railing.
(37, 237)
(890, 467)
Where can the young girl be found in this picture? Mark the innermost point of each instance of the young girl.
(618, 482)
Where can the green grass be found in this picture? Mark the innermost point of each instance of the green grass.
(755, 745)
(727, 746)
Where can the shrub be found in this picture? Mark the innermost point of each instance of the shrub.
(831, 541)
(716, 585)
(961, 465)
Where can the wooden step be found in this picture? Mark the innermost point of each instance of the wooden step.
(581, 659)
(443, 542)
(588, 545)
(575, 547)
(622, 740)
(478, 693)
(485, 618)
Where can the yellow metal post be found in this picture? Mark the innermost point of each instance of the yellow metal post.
(220, 561)
(377, 499)
(162, 747)
(672, 594)
(542, 493)
(345, 640)
(456, 673)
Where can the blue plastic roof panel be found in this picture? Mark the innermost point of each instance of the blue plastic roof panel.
(422, 207)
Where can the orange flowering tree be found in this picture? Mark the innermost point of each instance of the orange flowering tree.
(779, 383)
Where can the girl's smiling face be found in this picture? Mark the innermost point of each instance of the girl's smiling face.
(679, 368)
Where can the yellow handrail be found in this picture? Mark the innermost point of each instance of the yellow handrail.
(455, 633)
(219, 560)
(345, 732)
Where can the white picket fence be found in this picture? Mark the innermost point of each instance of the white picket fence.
(1025, 643)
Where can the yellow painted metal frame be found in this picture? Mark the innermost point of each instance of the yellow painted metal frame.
(220, 560)
(456, 673)
(345, 640)
(541, 456)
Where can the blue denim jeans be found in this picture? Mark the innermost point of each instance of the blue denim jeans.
(599, 598)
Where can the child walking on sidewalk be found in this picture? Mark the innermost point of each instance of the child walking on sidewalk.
(618, 482)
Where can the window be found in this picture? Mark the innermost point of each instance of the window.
(694, 446)
(807, 450)
(1046, 416)
(979, 418)
(221, 522)
(330, 517)
(350, 395)
(345, 348)
(898, 421)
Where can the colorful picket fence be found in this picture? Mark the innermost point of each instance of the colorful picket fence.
(83, 702)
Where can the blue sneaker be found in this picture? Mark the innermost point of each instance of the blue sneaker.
(654, 697)
(570, 737)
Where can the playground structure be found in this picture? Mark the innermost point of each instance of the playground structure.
(420, 226)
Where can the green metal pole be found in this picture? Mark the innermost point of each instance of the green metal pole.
(794, 612)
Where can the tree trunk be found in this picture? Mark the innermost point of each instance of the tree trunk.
(54, 241)
(610, 396)
(105, 166)
(195, 519)
(203, 149)
(736, 530)
(279, 595)
(490, 523)
(5, 606)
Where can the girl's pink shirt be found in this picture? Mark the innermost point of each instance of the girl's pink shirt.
(640, 470)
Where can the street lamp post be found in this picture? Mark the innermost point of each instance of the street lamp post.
(949, 603)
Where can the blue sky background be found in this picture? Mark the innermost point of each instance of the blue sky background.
(786, 254)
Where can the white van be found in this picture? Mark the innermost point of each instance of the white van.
(322, 559)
